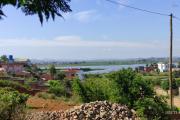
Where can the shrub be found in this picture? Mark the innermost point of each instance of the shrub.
(14, 85)
(138, 94)
(12, 104)
(79, 90)
(165, 85)
(45, 95)
(152, 108)
(56, 87)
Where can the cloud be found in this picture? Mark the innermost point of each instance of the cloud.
(75, 47)
(86, 16)
(77, 41)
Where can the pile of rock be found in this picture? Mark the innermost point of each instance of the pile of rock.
(99, 110)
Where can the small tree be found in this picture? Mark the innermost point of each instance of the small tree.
(56, 87)
(4, 58)
(60, 75)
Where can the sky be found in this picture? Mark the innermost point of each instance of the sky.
(95, 29)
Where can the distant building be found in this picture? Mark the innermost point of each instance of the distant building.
(46, 77)
(140, 68)
(163, 67)
(14, 66)
(73, 73)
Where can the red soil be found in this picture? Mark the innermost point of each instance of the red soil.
(39, 104)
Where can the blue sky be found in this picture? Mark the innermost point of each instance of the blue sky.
(96, 29)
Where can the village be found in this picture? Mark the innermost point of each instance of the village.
(24, 72)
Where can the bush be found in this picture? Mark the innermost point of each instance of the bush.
(45, 95)
(12, 104)
(138, 94)
(56, 87)
(165, 85)
(152, 108)
(178, 82)
(96, 89)
(79, 90)
(14, 85)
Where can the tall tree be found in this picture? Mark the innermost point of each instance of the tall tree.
(43, 8)
(52, 70)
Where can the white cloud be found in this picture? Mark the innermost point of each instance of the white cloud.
(76, 41)
(75, 47)
(86, 16)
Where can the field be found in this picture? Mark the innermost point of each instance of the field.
(39, 104)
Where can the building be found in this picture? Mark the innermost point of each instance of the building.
(72, 73)
(163, 67)
(14, 66)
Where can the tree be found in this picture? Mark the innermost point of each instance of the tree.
(60, 75)
(138, 94)
(4, 58)
(52, 70)
(43, 8)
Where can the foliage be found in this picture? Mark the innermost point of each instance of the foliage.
(178, 81)
(138, 94)
(101, 89)
(152, 108)
(79, 90)
(60, 75)
(3, 58)
(14, 85)
(42, 8)
(52, 70)
(45, 95)
(96, 89)
(155, 80)
(11, 103)
(165, 85)
(56, 87)
(176, 74)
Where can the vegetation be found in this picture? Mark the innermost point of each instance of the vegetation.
(13, 85)
(42, 8)
(56, 87)
(165, 85)
(12, 104)
(52, 70)
(124, 86)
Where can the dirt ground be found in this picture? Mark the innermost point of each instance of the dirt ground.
(176, 99)
(39, 104)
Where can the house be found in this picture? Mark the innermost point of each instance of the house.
(163, 67)
(72, 73)
(14, 66)
(46, 77)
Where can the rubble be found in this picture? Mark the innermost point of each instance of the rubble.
(99, 110)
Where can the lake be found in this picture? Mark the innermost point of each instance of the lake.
(104, 69)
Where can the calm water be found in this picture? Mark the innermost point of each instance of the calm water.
(105, 69)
